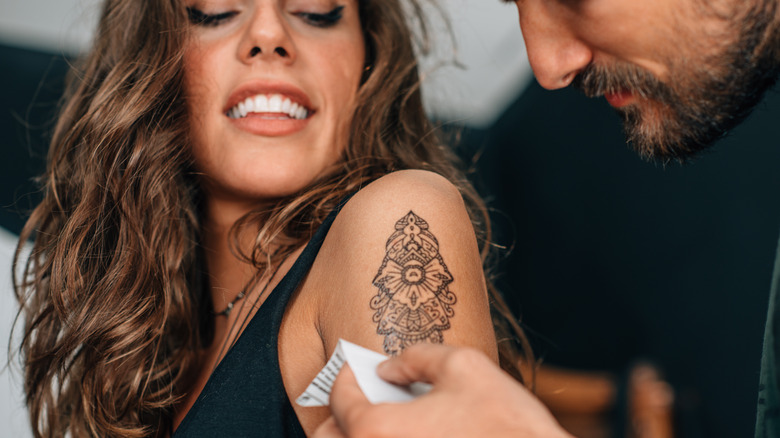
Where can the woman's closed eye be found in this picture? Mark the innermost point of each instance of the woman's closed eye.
(327, 19)
(200, 18)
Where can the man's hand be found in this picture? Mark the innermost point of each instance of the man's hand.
(471, 397)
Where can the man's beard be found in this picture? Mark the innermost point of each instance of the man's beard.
(679, 119)
(661, 123)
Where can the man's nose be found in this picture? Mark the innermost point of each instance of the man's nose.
(556, 54)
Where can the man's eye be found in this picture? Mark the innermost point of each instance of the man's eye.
(323, 20)
(200, 18)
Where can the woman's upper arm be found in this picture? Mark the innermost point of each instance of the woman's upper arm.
(401, 265)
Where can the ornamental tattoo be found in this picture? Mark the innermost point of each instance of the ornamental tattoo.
(414, 303)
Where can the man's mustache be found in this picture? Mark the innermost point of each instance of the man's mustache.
(597, 80)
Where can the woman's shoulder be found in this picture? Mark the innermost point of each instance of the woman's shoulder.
(384, 207)
(403, 190)
(404, 243)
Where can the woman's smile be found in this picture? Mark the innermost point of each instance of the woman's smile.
(270, 109)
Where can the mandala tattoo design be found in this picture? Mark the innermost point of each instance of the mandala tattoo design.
(414, 303)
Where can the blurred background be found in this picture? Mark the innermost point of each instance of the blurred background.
(611, 261)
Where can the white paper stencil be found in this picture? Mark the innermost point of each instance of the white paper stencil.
(363, 363)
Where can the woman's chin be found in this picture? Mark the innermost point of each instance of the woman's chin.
(257, 189)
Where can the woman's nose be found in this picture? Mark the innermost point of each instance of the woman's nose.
(268, 36)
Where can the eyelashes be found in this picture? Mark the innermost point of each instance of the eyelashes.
(200, 18)
(323, 20)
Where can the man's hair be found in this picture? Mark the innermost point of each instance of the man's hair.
(760, 51)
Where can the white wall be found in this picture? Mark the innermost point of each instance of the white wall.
(53, 25)
(490, 47)
(13, 416)
(488, 39)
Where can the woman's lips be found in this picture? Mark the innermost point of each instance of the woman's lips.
(270, 124)
(620, 98)
(269, 108)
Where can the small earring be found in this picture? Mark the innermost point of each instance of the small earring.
(366, 74)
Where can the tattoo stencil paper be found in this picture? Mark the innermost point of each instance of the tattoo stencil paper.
(413, 303)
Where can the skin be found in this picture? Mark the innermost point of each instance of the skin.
(249, 163)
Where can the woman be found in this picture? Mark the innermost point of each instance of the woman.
(189, 271)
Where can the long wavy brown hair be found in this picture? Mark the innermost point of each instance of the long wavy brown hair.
(113, 294)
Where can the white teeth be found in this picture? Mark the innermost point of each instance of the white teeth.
(273, 103)
(261, 103)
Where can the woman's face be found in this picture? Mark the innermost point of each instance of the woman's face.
(271, 87)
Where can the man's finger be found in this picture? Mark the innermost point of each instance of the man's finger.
(418, 363)
(328, 429)
(347, 401)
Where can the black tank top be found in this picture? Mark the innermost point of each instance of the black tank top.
(245, 396)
